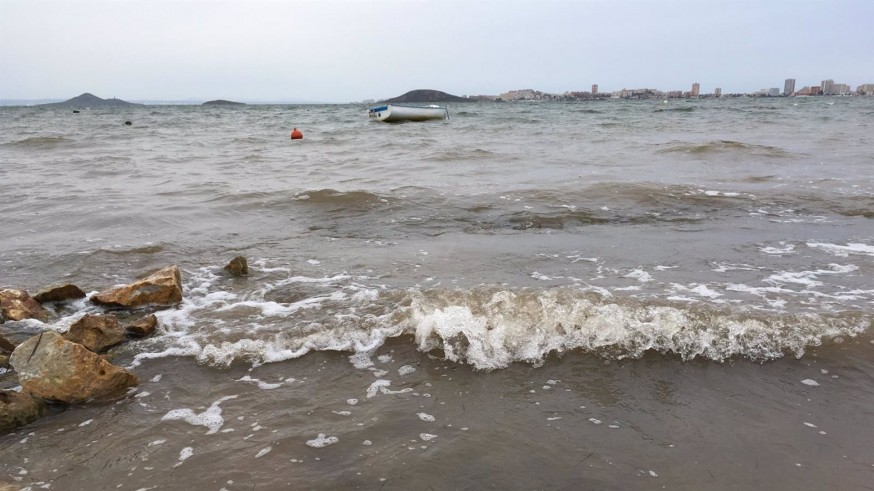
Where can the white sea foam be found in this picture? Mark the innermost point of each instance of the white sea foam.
(808, 278)
(639, 275)
(406, 370)
(211, 417)
(264, 451)
(426, 417)
(376, 386)
(426, 437)
(810, 382)
(844, 251)
(322, 441)
(184, 455)
(261, 385)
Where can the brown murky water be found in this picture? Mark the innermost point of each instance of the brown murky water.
(537, 296)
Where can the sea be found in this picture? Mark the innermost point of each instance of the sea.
(585, 295)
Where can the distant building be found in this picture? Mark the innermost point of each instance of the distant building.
(828, 87)
(696, 88)
(773, 92)
(789, 86)
(865, 89)
(717, 92)
(841, 89)
(594, 89)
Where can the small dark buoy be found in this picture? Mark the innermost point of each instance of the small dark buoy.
(128, 123)
(75, 111)
(296, 134)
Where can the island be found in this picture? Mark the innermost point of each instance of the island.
(420, 96)
(222, 102)
(90, 100)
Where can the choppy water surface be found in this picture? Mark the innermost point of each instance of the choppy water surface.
(607, 295)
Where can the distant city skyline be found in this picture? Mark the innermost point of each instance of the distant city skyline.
(349, 50)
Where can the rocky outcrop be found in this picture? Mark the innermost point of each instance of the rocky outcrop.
(238, 266)
(16, 305)
(59, 293)
(55, 369)
(18, 409)
(163, 288)
(96, 332)
(143, 326)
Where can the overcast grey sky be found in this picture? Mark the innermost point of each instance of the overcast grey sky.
(349, 50)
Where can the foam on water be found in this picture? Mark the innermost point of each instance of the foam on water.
(211, 417)
(322, 441)
(844, 251)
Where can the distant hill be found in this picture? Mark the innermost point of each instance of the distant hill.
(222, 102)
(91, 100)
(426, 95)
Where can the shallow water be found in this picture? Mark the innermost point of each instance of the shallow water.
(604, 295)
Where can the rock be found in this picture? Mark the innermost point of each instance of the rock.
(59, 293)
(163, 287)
(55, 369)
(4, 361)
(18, 409)
(144, 326)
(238, 266)
(16, 305)
(96, 332)
(6, 345)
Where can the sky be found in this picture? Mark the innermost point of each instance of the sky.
(353, 50)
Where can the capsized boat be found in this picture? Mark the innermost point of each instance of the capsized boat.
(394, 112)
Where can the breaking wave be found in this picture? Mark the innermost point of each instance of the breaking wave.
(488, 327)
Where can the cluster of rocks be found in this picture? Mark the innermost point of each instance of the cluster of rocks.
(71, 367)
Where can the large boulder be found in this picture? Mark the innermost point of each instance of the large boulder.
(18, 409)
(96, 332)
(163, 287)
(59, 293)
(16, 305)
(238, 266)
(142, 327)
(55, 369)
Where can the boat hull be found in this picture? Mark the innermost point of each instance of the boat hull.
(391, 113)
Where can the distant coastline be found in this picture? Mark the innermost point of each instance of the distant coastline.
(826, 89)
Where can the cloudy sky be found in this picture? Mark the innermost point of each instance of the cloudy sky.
(350, 50)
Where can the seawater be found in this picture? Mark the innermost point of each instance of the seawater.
(604, 295)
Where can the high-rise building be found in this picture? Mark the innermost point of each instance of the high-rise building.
(827, 87)
(696, 88)
(594, 89)
(717, 92)
(789, 86)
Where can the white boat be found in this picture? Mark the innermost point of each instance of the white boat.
(393, 112)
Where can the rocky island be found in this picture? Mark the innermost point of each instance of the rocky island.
(426, 96)
(90, 100)
(222, 102)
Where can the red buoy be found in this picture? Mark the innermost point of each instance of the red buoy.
(296, 134)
